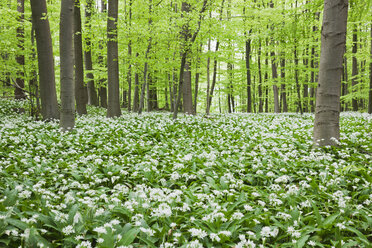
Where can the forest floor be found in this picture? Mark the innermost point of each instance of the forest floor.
(237, 180)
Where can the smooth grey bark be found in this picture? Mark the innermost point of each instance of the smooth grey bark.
(80, 89)
(92, 93)
(66, 48)
(113, 103)
(20, 58)
(48, 95)
(136, 93)
(333, 39)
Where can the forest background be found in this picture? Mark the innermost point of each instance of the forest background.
(247, 56)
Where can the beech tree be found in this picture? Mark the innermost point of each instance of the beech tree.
(81, 93)
(67, 65)
(113, 106)
(333, 39)
(48, 95)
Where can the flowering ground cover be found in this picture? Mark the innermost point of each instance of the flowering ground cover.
(239, 180)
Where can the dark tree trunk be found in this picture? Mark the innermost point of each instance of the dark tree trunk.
(92, 94)
(355, 68)
(344, 85)
(370, 80)
(187, 89)
(103, 96)
(214, 77)
(80, 89)
(113, 103)
(66, 47)
(48, 95)
(185, 53)
(298, 86)
(283, 92)
(249, 77)
(129, 76)
(306, 84)
(260, 105)
(20, 58)
(136, 93)
(274, 71)
(266, 87)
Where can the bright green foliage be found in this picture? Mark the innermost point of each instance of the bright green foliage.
(148, 181)
(280, 29)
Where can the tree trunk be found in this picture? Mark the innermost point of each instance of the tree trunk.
(327, 113)
(103, 96)
(298, 86)
(92, 94)
(80, 89)
(20, 58)
(185, 53)
(197, 76)
(113, 103)
(209, 100)
(129, 76)
(260, 105)
(344, 85)
(136, 93)
(355, 68)
(66, 47)
(275, 87)
(370, 80)
(306, 84)
(249, 77)
(283, 92)
(266, 87)
(187, 89)
(208, 72)
(48, 95)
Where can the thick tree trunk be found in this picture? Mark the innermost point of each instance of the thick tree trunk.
(327, 113)
(92, 93)
(66, 48)
(48, 95)
(103, 96)
(20, 58)
(354, 70)
(266, 88)
(113, 103)
(80, 89)
(197, 76)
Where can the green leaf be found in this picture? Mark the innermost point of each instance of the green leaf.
(129, 236)
(361, 236)
(301, 242)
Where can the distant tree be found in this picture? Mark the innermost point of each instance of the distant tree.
(370, 79)
(327, 112)
(48, 95)
(20, 81)
(66, 45)
(113, 106)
